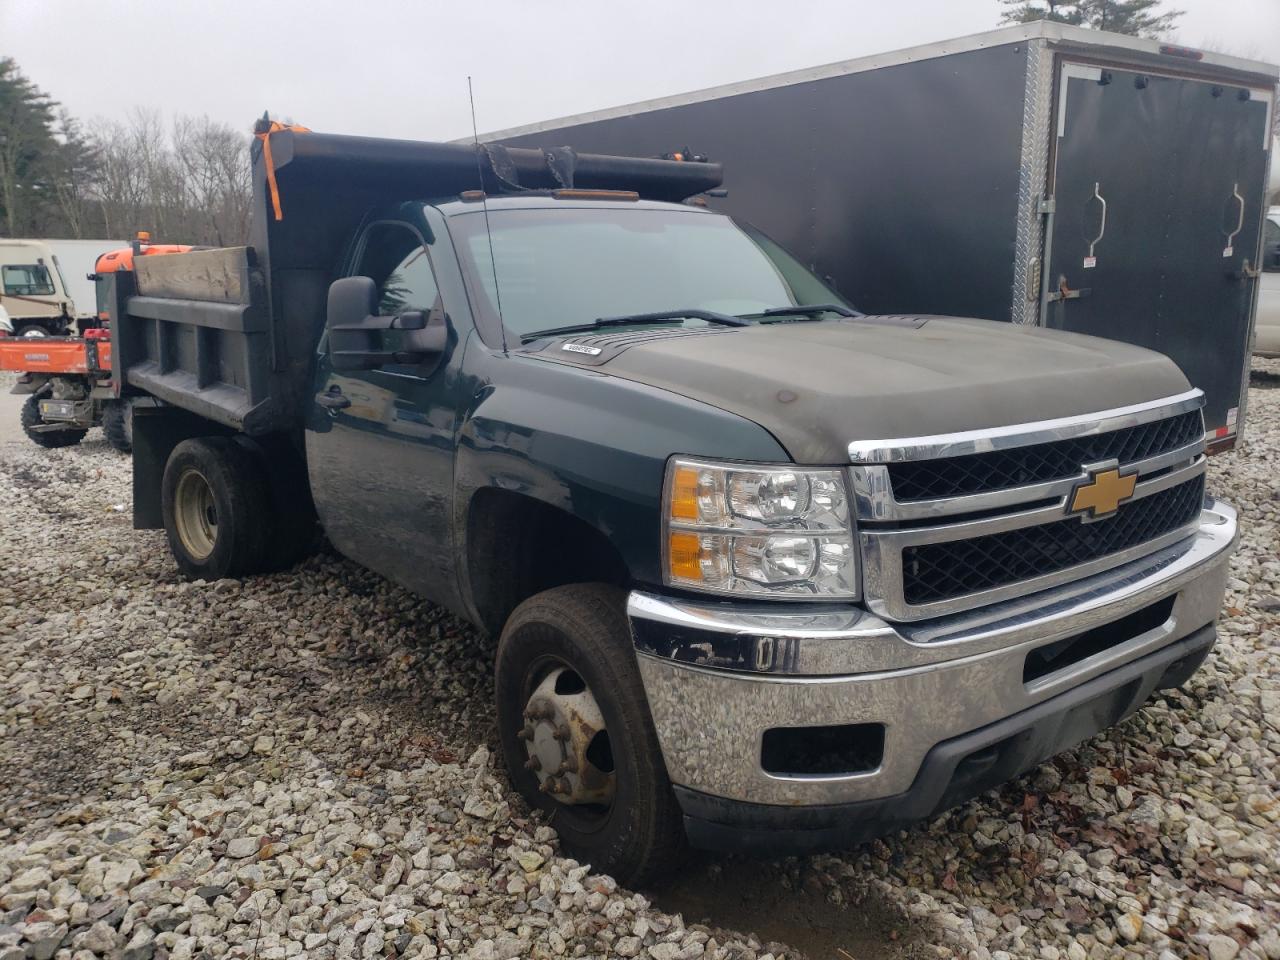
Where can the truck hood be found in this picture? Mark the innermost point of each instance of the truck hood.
(817, 386)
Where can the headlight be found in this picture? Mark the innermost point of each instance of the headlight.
(763, 531)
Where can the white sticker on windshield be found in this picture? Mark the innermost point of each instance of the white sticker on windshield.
(1090, 262)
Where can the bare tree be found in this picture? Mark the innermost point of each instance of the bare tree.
(72, 171)
(187, 182)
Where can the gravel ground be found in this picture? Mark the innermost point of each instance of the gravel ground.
(301, 765)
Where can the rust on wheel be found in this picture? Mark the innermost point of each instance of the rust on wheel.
(566, 741)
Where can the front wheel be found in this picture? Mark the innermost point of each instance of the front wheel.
(213, 497)
(576, 733)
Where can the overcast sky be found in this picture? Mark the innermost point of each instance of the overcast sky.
(399, 68)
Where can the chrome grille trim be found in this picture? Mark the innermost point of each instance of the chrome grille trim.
(886, 526)
(1022, 434)
(874, 500)
(882, 586)
(969, 529)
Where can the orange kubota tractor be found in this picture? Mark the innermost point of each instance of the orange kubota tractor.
(68, 379)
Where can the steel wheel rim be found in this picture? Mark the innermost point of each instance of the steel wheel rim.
(544, 708)
(195, 514)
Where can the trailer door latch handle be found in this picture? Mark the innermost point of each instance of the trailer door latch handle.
(1066, 293)
(1102, 224)
(1229, 249)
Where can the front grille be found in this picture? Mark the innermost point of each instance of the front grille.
(944, 571)
(1040, 463)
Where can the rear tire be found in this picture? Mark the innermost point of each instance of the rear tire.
(213, 497)
(31, 330)
(49, 439)
(639, 836)
(117, 425)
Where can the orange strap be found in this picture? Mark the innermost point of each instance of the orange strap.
(265, 137)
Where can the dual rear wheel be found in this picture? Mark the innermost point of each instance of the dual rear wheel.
(222, 516)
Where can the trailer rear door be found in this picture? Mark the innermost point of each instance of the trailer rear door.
(1157, 186)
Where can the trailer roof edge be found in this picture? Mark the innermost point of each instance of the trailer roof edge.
(1056, 33)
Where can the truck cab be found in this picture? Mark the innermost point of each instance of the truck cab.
(32, 289)
(767, 574)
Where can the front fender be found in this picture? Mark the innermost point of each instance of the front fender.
(590, 444)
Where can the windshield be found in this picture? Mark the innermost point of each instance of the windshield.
(559, 267)
(26, 280)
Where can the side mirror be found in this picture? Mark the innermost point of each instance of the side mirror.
(355, 328)
(351, 300)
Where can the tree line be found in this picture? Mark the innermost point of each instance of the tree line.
(1139, 18)
(186, 180)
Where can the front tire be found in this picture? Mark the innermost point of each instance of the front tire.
(213, 497)
(576, 638)
(49, 439)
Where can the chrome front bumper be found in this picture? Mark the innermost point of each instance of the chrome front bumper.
(718, 675)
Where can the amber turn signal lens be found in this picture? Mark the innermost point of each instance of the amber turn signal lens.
(684, 494)
(684, 555)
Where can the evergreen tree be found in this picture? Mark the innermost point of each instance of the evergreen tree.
(1139, 18)
(27, 148)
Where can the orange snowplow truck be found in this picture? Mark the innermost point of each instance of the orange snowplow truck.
(68, 379)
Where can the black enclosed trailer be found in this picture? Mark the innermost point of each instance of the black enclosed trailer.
(1039, 174)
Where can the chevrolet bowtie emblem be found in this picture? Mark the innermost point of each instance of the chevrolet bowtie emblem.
(1101, 492)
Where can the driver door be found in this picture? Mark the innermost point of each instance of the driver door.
(380, 442)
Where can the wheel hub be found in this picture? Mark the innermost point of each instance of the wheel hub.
(195, 514)
(566, 741)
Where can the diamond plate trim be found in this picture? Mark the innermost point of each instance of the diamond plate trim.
(1037, 111)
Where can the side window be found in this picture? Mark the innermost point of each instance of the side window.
(29, 280)
(395, 258)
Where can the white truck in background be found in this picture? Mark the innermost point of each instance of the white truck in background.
(1266, 342)
(44, 285)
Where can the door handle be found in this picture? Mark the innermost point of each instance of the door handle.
(1229, 249)
(1091, 260)
(333, 399)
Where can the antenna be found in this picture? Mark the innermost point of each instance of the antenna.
(484, 203)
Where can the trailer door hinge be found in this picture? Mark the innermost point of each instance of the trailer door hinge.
(1046, 205)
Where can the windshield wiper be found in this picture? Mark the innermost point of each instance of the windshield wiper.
(663, 316)
(807, 310)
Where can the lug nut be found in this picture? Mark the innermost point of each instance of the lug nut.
(562, 732)
(570, 765)
(526, 732)
(533, 763)
(547, 786)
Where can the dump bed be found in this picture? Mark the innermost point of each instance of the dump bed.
(230, 334)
